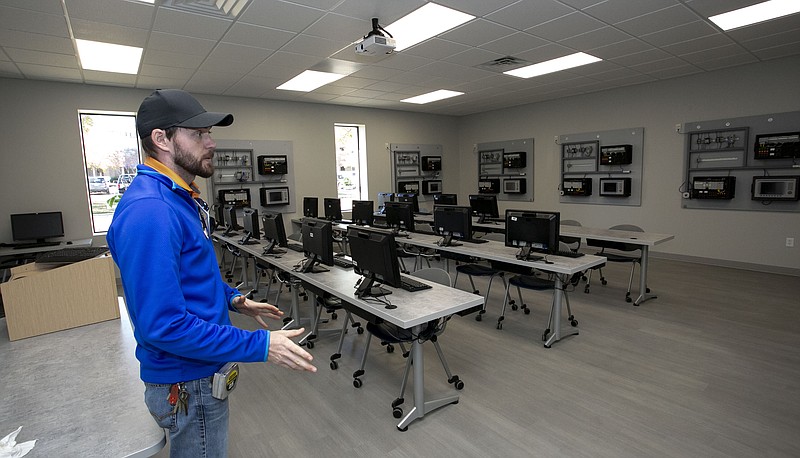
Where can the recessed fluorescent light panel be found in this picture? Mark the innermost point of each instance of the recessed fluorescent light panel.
(423, 23)
(108, 57)
(756, 13)
(309, 80)
(432, 96)
(555, 65)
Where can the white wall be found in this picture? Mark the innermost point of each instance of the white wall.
(41, 168)
(40, 155)
(735, 237)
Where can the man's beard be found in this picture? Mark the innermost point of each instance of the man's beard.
(192, 164)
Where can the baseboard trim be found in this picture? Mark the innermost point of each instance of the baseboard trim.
(726, 263)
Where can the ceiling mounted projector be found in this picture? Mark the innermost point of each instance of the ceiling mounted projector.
(376, 42)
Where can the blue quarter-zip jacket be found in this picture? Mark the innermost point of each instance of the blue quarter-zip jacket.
(175, 295)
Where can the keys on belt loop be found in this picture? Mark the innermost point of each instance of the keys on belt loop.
(178, 398)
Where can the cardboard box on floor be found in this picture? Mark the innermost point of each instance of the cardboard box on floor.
(41, 298)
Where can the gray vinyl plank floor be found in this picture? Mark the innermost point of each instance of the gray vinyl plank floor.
(711, 368)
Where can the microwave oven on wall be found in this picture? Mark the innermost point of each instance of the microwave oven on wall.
(615, 187)
(274, 196)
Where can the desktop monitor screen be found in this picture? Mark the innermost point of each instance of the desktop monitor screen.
(363, 213)
(36, 226)
(445, 199)
(452, 222)
(375, 258)
(484, 206)
(384, 197)
(317, 243)
(251, 226)
(399, 215)
(310, 207)
(274, 231)
(532, 231)
(333, 208)
(409, 197)
(229, 219)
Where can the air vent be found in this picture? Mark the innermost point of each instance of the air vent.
(216, 8)
(503, 64)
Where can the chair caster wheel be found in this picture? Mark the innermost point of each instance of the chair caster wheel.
(603, 282)
(357, 382)
(478, 317)
(476, 292)
(527, 310)
(574, 323)
(586, 290)
(334, 365)
(310, 344)
(359, 330)
(390, 348)
(628, 299)
(334, 316)
(514, 307)
(499, 325)
(647, 290)
(397, 412)
(457, 382)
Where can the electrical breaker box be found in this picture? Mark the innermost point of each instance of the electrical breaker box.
(577, 187)
(713, 187)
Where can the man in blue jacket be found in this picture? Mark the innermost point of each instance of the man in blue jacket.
(176, 298)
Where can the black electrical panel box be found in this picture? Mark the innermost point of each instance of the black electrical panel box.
(489, 186)
(431, 163)
(515, 186)
(615, 187)
(616, 155)
(237, 197)
(516, 160)
(408, 187)
(272, 165)
(777, 146)
(713, 187)
(576, 187)
(431, 187)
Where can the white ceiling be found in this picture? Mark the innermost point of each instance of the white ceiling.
(274, 40)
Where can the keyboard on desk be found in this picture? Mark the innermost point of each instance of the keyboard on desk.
(294, 247)
(71, 255)
(409, 284)
(343, 261)
(570, 254)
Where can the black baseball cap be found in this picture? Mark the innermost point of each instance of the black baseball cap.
(166, 108)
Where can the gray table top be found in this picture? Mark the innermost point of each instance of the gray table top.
(413, 308)
(77, 392)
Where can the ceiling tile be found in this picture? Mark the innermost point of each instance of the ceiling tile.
(477, 32)
(253, 35)
(528, 13)
(623, 48)
(339, 28)
(9, 70)
(35, 41)
(567, 26)
(280, 15)
(614, 11)
(658, 20)
(436, 48)
(50, 73)
(42, 58)
(33, 21)
(473, 56)
(315, 46)
(109, 33)
(43, 6)
(514, 44)
(125, 13)
(596, 38)
(190, 24)
(680, 34)
(180, 44)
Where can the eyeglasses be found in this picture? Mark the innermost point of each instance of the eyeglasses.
(205, 216)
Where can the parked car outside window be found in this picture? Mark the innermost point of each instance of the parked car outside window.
(125, 181)
(98, 184)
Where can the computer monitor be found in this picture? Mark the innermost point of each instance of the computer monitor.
(36, 227)
(484, 206)
(230, 220)
(310, 207)
(251, 230)
(333, 208)
(452, 222)
(318, 244)
(375, 259)
(274, 232)
(363, 213)
(532, 230)
(399, 216)
(409, 197)
(384, 197)
(445, 199)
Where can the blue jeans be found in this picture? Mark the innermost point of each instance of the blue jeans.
(203, 432)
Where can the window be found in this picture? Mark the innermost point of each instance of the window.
(110, 154)
(351, 160)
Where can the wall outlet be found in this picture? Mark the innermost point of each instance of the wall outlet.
(677, 128)
(790, 241)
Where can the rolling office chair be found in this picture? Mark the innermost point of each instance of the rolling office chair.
(571, 243)
(390, 334)
(330, 304)
(536, 283)
(474, 269)
(617, 252)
